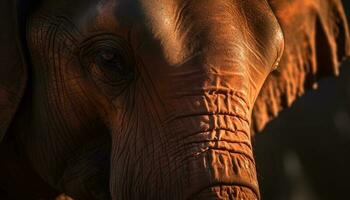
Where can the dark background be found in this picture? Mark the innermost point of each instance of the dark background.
(305, 153)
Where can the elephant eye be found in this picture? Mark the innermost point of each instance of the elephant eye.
(109, 63)
(113, 61)
(109, 59)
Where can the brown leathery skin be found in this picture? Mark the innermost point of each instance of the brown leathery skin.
(172, 135)
(148, 99)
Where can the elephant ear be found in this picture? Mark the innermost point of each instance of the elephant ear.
(13, 73)
(316, 41)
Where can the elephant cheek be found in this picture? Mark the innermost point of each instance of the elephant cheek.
(87, 173)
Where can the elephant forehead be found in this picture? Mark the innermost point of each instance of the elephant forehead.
(182, 27)
(240, 28)
(94, 15)
(185, 28)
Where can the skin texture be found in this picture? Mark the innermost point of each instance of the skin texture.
(146, 99)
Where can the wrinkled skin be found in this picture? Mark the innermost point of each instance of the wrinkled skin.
(145, 99)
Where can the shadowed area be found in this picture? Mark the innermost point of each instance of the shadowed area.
(304, 154)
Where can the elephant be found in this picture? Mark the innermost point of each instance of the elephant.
(150, 99)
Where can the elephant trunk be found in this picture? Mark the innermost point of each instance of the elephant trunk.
(215, 142)
(203, 151)
(200, 148)
(189, 131)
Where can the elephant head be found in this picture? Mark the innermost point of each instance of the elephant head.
(154, 99)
